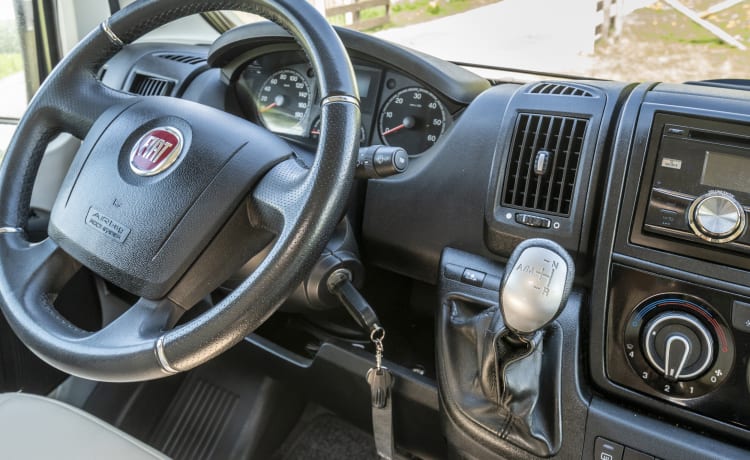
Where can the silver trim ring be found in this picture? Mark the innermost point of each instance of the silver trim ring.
(334, 99)
(111, 35)
(162, 357)
(11, 230)
(166, 162)
(697, 227)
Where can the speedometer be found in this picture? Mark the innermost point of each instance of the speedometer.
(413, 119)
(284, 101)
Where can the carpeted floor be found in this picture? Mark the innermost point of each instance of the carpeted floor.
(327, 437)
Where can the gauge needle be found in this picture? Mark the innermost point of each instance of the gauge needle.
(393, 130)
(268, 107)
(278, 101)
(409, 123)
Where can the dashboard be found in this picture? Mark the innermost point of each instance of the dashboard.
(646, 185)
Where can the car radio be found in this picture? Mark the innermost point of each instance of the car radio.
(701, 186)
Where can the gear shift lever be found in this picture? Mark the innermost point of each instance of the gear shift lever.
(536, 285)
(501, 366)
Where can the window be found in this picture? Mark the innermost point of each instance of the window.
(16, 30)
(12, 75)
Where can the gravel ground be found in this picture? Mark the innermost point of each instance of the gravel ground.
(660, 44)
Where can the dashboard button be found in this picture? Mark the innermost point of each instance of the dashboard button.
(741, 316)
(632, 454)
(473, 277)
(533, 221)
(604, 449)
(453, 272)
(665, 199)
(668, 210)
(677, 131)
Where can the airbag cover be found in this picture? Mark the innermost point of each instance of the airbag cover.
(141, 227)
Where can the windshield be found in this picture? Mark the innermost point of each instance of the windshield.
(630, 40)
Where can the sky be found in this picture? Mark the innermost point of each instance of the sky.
(6, 10)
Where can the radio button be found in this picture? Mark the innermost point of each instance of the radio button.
(717, 217)
(666, 199)
(668, 210)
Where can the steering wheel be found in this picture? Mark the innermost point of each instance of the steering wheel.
(165, 199)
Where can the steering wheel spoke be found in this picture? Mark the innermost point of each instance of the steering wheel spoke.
(36, 269)
(146, 320)
(80, 104)
(277, 198)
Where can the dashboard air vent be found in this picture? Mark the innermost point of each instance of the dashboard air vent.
(543, 163)
(559, 89)
(184, 58)
(146, 85)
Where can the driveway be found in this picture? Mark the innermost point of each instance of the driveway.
(547, 35)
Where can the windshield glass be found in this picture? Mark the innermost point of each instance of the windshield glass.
(631, 40)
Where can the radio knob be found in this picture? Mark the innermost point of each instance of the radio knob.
(717, 217)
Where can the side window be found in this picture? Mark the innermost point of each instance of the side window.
(12, 75)
(16, 34)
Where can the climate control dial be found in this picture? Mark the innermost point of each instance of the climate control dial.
(678, 345)
(717, 217)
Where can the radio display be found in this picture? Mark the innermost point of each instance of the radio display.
(726, 171)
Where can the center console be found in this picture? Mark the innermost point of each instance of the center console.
(670, 304)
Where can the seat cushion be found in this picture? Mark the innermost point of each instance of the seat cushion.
(34, 427)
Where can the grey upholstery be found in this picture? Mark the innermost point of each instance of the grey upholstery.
(33, 427)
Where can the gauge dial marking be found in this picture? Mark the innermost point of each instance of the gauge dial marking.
(284, 101)
(413, 119)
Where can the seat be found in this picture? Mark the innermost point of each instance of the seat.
(34, 427)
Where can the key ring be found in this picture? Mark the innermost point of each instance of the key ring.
(377, 334)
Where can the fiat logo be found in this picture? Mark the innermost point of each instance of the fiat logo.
(156, 151)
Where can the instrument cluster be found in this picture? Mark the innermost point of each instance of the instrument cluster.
(279, 90)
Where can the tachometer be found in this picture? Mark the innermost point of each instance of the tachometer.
(284, 101)
(413, 119)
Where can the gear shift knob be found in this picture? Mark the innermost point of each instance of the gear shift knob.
(536, 285)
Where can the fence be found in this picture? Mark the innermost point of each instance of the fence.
(608, 19)
(351, 10)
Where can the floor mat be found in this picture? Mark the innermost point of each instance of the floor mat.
(226, 410)
(193, 424)
(327, 437)
(222, 410)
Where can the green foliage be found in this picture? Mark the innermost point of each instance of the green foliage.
(372, 13)
(407, 12)
(10, 63)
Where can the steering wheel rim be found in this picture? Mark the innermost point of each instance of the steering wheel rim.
(301, 205)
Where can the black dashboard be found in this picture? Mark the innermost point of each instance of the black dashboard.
(646, 185)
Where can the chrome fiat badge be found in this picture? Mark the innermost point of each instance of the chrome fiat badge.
(156, 151)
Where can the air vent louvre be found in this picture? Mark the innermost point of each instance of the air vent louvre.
(543, 163)
(184, 58)
(146, 85)
(559, 89)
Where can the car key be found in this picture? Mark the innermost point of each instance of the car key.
(381, 382)
(379, 377)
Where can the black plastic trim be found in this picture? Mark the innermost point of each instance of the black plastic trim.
(335, 378)
(651, 436)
